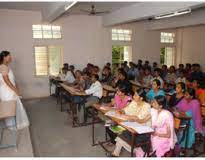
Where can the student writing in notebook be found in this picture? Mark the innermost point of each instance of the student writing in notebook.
(138, 110)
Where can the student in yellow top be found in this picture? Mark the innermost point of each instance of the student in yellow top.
(140, 111)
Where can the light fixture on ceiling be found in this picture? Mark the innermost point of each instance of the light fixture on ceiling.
(177, 13)
(70, 5)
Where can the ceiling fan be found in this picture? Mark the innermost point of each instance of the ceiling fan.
(93, 11)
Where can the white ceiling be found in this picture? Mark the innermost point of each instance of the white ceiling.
(99, 6)
(32, 6)
(39, 6)
(119, 12)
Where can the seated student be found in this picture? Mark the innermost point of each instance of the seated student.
(138, 110)
(132, 72)
(191, 107)
(190, 104)
(108, 64)
(147, 77)
(121, 98)
(164, 138)
(164, 71)
(199, 88)
(146, 65)
(125, 66)
(106, 76)
(119, 102)
(87, 79)
(155, 91)
(197, 73)
(154, 66)
(95, 91)
(140, 76)
(69, 78)
(188, 70)
(96, 70)
(181, 77)
(63, 73)
(79, 82)
(122, 80)
(178, 96)
(171, 76)
(72, 69)
(66, 65)
(180, 69)
(157, 76)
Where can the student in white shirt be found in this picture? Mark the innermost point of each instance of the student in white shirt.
(95, 92)
(69, 78)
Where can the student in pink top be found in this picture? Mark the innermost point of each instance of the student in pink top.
(119, 102)
(121, 98)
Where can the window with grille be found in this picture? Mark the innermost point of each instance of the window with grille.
(46, 32)
(167, 37)
(121, 35)
(167, 56)
(48, 60)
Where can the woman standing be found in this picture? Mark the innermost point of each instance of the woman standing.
(9, 91)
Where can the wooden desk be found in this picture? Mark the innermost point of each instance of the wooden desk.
(8, 110)
(136, 84)
(118, 122)
(72, 90)
(73, 93)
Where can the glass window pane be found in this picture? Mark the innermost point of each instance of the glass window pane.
(46, 27)
(56, 34)
(56, 28)
(36, 27)
(37, 34)
(54, 59)
(47, 34)
(41, 62)
(114, 37)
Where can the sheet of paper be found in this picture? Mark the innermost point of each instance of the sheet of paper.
(115, 115)
(138, 127)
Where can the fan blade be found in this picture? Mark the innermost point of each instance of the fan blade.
(105, 12)
(84, 10)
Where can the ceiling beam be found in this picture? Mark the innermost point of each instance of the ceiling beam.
(143, 10)
(53, 11)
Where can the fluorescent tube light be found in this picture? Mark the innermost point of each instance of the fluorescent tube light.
(70, 5)
(177, 13)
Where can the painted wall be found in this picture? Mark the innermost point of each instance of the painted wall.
(84, 40)
(192, 48)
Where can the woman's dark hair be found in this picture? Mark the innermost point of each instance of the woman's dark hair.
(96, 76)
(160, 100)
(123, 73)
(3, 54)
(157, 82)
(183, 85)
(123, 88)
(141, 93)
(191, 92)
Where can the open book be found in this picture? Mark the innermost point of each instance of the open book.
(113, 114)
(138, 127)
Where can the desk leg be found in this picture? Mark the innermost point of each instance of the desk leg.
(93, 131)
(133, 144)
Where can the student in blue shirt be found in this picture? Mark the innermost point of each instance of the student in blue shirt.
(155, 91)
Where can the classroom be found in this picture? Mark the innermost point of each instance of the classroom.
(102, 79)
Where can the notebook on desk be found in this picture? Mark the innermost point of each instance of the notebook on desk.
(141, 129)
(113, 114)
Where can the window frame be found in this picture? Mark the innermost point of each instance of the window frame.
(48, 62)
(47, 30)
(123, 34)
